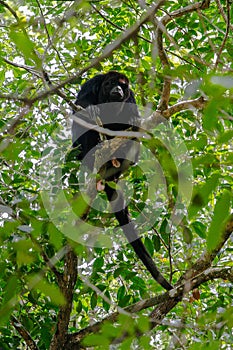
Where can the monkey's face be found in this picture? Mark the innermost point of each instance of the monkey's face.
(114, 88)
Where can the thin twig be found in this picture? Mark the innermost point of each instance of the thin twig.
(50, 42)
(105, 54)
(222, 12)
(225, 36)
(24, 334)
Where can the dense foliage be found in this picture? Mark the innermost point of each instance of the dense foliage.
(65, 280)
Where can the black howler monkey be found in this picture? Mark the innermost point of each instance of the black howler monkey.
(108, 98)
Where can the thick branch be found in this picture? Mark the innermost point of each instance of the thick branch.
(201, 5)
(207, 257)
(147, 124)
(168, 300)
(198, 267)
(198, 275)
(66, 285)
(143, 304)
(159, 117)
(198, 103)
(225, 273)
(165, 96)
(3, 3)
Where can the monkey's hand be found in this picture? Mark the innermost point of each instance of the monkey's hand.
(100, 186)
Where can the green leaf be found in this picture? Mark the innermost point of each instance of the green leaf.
(24, 251)
(225, 137)
(78, 306)
(93, 300)
(106, 305)
(221, 212)
(35, 281)
(96, 340)
(12, 151)
(187, 235)
(164, 226)
(79, 205)
(124, 301)
(24, 45)
(9, 300)
(121, 293)
(210, 118)
(207, 345)
(55, 236)
(201, 194)
(11, 289)
(98, 263)
(156, 242)
(143, 323)
(149, 245)
(199, 228)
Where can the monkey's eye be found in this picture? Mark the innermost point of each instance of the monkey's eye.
(123, 84)
(110, 83)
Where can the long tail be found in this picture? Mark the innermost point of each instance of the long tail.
(131, 234)
(145, 257)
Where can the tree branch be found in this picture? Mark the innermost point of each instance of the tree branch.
(129, 33)
(29, 69)
(165, 96)
(3, 3)
(159, 117)
(225, 36)
(223, 13)
(191, 279)
(66, 284)
(24, 334)
(198, 103)
(207, 257)
(225, 273)
(168, 300)
(160, 312)
(141, 305)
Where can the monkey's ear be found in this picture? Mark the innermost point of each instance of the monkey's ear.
(131, 98)
(88, 95)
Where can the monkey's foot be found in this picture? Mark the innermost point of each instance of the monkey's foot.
(116, 163)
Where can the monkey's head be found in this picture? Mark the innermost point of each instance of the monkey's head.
(114, 88)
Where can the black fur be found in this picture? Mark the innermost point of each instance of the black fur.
(100, 90)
